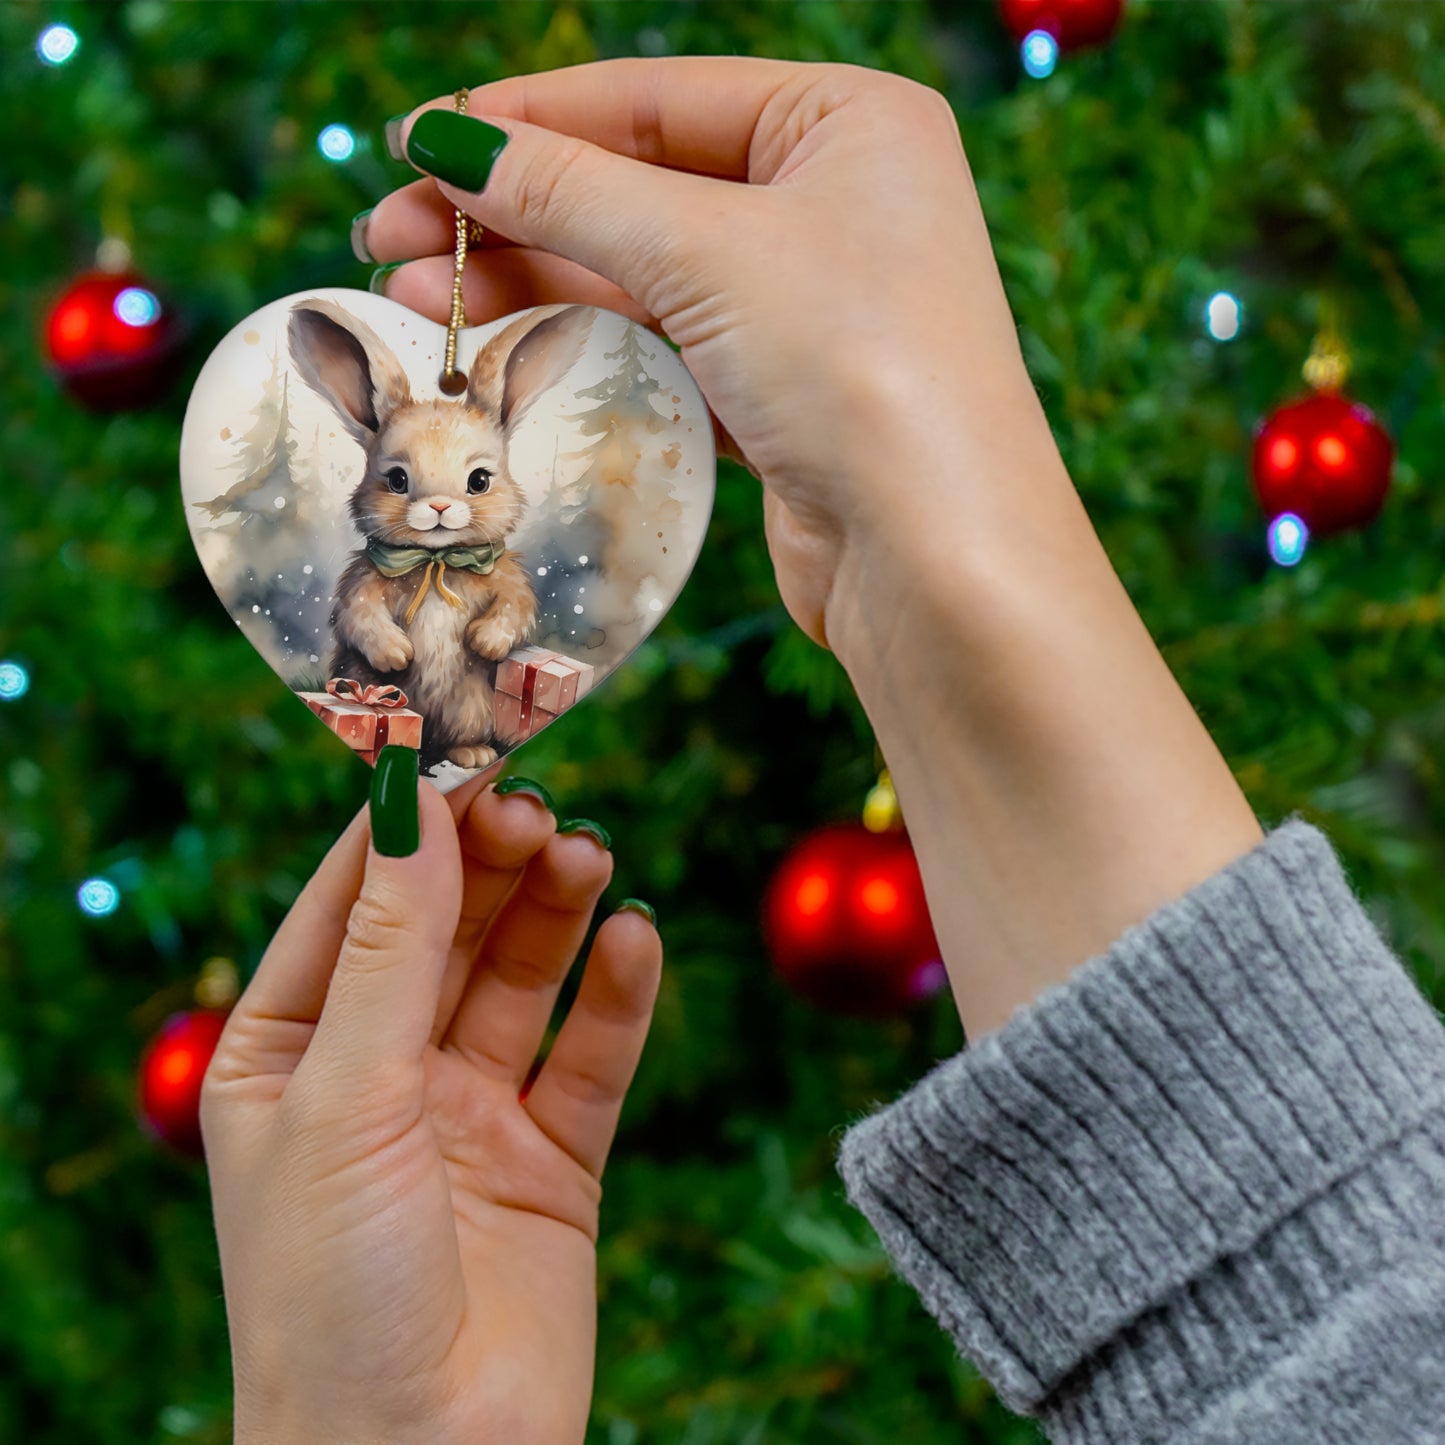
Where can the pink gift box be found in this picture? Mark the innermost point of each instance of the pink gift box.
(364, 728)
(534, 687)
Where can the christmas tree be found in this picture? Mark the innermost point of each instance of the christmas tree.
(608, 527)
(280, 497)
(1284, 156)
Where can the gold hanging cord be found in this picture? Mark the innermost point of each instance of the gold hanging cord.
(453, 382)
(1328, 366)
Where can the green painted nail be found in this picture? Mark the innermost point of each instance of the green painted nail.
(455, 148)
(393, 136)
(525, 785)
(395, 826)
(377, 284)
(359, 248)
(636, 905)
(586, 825)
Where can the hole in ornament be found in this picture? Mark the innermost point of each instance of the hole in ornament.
(452, 383)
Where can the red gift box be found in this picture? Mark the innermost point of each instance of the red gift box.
(534, 687)
(366, 719)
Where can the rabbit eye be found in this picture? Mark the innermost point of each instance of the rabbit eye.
(479, 481)
(396, 479)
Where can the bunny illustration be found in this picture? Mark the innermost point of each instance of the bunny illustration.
(434, 599)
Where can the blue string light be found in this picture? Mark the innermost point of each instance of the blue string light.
(1040, 53)
(57, 44)
(137, 307)
(14, 682)
(98, 897)
(336, 143)
(1288, 538)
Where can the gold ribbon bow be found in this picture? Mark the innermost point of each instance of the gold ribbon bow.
(398, 561)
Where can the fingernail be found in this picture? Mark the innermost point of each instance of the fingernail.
(395, 826)
(359, 248)
(377, 284)
(455, 148)
(514, 784)
(393, 137)
(636, 905)
(586, 825)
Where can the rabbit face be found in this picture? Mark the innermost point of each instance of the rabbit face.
(436, 471)
(436, 476)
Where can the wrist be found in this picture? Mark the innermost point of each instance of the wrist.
(949, 523)
(1057, 784)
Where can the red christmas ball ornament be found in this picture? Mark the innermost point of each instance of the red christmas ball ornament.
(1326, 459)
(1073, 23)
(111, 341)
(171, 1071)
(847, 923)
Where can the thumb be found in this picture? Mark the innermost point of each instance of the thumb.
(382, 1000)
(640, 226)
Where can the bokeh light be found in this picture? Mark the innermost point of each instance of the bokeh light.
(98, 897)
(57, 44)
(814, 891)
(1282, 455)
(1288, 538)
(14, 681)
(1223, 316)
(1040, 52)
(336, 143)
(880, 897)
(137, 307)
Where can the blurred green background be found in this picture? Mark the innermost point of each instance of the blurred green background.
(1287, 153)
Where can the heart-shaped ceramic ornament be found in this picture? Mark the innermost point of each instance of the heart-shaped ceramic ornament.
(445, 572)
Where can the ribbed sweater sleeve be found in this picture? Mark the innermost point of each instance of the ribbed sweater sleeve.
(1197, 1191)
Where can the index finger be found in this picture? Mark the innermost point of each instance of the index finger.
(696, 113)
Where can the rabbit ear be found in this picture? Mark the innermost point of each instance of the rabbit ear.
(348, 364)
(522, 360)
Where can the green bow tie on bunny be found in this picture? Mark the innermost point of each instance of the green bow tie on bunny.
(398, 561)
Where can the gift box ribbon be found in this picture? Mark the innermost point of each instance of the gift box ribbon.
(375, 694)
(529, 683)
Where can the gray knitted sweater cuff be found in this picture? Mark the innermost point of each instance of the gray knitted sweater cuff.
(1130, 1200)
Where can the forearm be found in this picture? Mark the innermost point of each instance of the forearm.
(1056, 782)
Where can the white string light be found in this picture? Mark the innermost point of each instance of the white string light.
(336, 143)
(1223, 316)
(57, 44)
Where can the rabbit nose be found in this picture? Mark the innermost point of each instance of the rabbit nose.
(439, 506)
